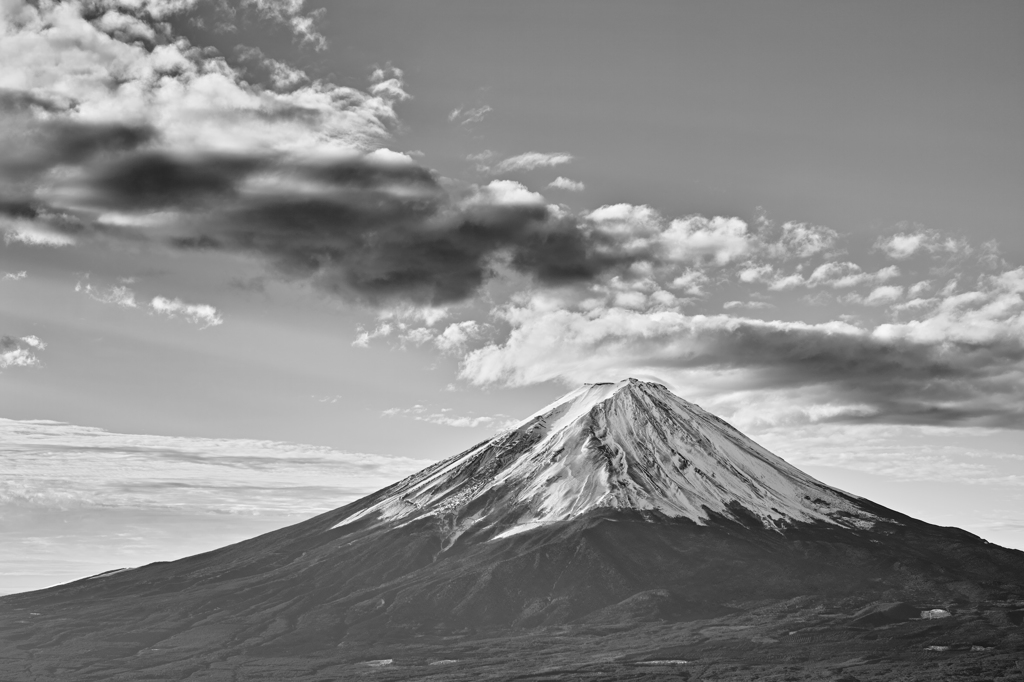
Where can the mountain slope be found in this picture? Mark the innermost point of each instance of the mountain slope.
(620, 508)
(630, 445)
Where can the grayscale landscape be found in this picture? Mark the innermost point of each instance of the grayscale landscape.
(486, 340)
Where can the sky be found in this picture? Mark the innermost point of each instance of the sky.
(262, 258)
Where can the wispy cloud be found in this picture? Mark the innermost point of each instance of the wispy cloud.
(62, 465)
(119, 295)
(446, 417)
(80, 500)
(465, 116)
(532, 160)
(14, 276)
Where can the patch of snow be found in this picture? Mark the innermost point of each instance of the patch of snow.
(444, 661)
(379, 663)
(936, 648)
(936, 613)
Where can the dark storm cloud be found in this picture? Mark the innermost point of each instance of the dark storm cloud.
(157, 180)
(359, 227)
(33, 145)
(904, 381)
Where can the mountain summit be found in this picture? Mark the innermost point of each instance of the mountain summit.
(620, 527)
(631, 445)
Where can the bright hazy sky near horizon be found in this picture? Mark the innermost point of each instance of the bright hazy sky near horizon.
(261, 258)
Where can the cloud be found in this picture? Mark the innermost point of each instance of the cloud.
(20, 352)
(201, 314)
(567, 184)
(140, 98)
(695, 238)
(730, 305)
(962, 363)
(756, 273)
(532, 160)
(884, 295)
(281, 76)
(120, 295)
(444, 417)
(56, 465)
(14, 276)
(467, 116)
(458, 335)
(25, 231)
(691, 282)
(797, 240)
(905, 244)
(837, 275)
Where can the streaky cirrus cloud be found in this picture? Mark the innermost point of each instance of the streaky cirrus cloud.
(68, 466)
(446, 417)
(532, 160)
(465, 116)
(119, 295)
(81, 500)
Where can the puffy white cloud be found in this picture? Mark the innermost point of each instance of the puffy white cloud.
(691, 282)
(884, 295)
(568, 185)
(498, 192)
(191, 99)
(902, 245)
(458, 335)
(197, 313)
(20, 352)
(14, 276)
(755, 273)
(797, 240)
(905, 244)
(532, 160)
(696, 238)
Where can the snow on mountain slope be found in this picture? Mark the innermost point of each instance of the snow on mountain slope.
(628, 445)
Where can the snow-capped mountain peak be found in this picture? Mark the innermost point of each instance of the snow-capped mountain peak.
(626, 445)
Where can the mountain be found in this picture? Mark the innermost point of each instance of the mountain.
(626, 446)
(619, 533)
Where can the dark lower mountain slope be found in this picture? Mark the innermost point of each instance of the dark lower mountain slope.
(309, 591)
